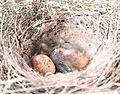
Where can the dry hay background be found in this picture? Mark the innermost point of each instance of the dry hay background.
(100, 35)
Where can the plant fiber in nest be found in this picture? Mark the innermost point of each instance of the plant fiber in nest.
(95, 31)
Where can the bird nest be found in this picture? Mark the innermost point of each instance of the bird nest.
(82, 25)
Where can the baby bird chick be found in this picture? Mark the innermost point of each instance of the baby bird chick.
(69, 59)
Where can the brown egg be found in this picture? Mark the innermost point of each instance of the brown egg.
(43, 64)
(69, 59)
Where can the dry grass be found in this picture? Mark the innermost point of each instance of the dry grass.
(21, 30)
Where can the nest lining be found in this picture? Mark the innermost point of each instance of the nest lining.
(22, 35)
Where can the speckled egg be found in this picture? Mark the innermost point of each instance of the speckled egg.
(43, 64)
